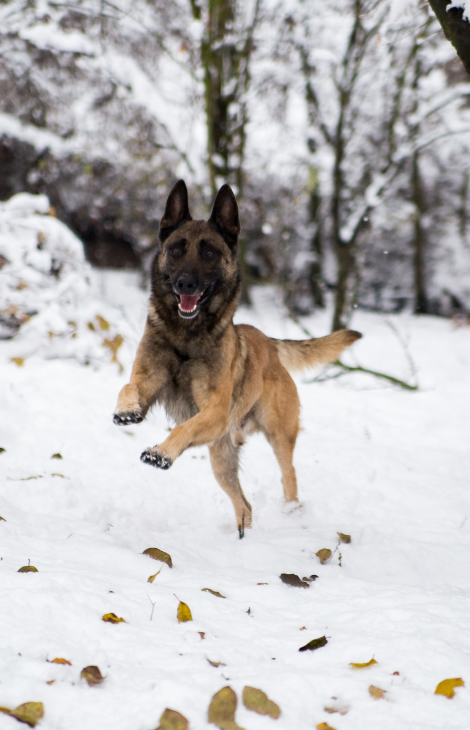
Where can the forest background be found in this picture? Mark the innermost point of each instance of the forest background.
(343, 127)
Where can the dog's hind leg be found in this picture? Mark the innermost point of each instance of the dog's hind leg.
(279, 420)
(224, 461)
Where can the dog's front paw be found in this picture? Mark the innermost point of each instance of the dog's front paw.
(155, 458)
(125, 418)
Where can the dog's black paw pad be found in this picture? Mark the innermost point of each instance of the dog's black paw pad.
(156, 460)
(125, 419)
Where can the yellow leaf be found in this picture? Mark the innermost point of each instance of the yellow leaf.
(364, 665)
(222, 708)
(216, 664)
(324, 555)
(256, 700)
(184, 612)
(114, 346)
(28, 569)
(214, 593)
(446, 687)
(29, 713)
(376, 692)
(324, 726)
(160, 555)
(18, 361)
(112, 618)
(151, 578)
(92, 675)
(172, 720)
(91, 326)
(103, 323)
(59, 660)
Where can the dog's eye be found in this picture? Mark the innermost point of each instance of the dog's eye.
(176, 250)
(208, 254)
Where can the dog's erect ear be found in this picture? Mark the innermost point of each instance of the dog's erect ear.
(176, 210)
(225, 215)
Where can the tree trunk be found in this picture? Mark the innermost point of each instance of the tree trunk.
(346, 286)
(456, 29)
(419, 243)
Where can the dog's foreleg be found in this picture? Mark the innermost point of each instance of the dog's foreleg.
(137, 396)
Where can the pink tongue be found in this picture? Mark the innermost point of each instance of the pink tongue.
(188, 303)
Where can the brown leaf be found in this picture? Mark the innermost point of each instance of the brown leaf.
(103, 323)
(447, 686)
(112, 618)
(92, 675)
(57, 456)
(29, 713)
(257, 701)
(310, 578)
(339, 710)
(291, 579)
(28, 569)
(18, 361)
(344, 538)
(184, 613)
(376, 692)
(160, 555)
(315, 644)
(59, 660)
(324, 555)
(202, 634)
(364, 665)
(173, 720)
(222, 708)
(214, 593)
(216, 664)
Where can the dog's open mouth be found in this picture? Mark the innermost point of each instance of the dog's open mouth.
(189, 305)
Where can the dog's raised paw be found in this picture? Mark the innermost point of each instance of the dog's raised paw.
(152, 457)
(128, 417)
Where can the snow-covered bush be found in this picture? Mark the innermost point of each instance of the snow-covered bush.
(47, 304)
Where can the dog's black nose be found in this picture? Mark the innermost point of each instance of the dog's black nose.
(187, 284)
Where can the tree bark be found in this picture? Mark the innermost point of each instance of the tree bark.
(421, 300)
(456, 29)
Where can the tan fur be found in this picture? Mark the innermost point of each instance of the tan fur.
(219, 382)
(298, 355)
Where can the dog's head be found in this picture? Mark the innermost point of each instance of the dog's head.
(196, 271)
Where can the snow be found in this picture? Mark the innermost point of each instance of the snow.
(386, 466)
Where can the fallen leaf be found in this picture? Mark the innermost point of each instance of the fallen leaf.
(216, 664)
(310, 578)
(339, 710)
(324, 555)
(51, 681)
(202, 634)
(376, 692)
(2, 450)
(344, 538)
(2, 519)
(324, 726)
(112, 618)
(55, 474)
(5, 710)
(29, 713)
(291, 579)
(28, 569)
(57, 456)
(257, 701)
(303, 628)
(103, 323)
(314, 644)
(160, 555)
(151, 578)
(364, 665)
(18, 361)
(91, 326)
(446, 687)
(222, 708)
(173, 720)
(214, 593)
(92, 675)
(262, 584)
(397, 674)
(183, 613)
(114, 346)
(59, 660)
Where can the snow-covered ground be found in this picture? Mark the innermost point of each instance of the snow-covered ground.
(388, 467)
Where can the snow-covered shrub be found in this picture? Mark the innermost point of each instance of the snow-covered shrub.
(47, 304)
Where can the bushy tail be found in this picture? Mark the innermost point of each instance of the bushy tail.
(303, 354)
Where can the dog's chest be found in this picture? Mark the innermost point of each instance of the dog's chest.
(176, 396)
